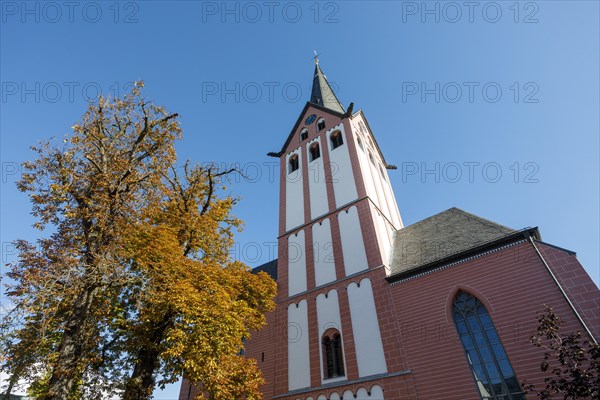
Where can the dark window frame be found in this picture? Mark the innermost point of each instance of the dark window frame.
(336, 140)
(303, 135)
(293, 164)
(333, 356)
(484, 350)
(314, 151)
(320, 124)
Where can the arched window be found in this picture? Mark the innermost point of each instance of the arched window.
(333, 359)
(336, 140)
(321, 125)
(491, 369)
(315, 151)
(293, 164)
(303, 135)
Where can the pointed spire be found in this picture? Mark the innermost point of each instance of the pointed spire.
(322, 94)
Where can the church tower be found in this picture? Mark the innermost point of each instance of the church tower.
(368, 309)
(337, 218)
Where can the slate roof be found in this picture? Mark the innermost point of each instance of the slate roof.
(322, 94)
(441, 236)
(268, 267)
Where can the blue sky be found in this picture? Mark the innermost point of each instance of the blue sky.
(490, 107)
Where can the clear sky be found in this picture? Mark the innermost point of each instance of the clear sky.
(491, 107)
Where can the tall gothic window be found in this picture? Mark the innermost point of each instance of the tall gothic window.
(491, 369)
(333, 359)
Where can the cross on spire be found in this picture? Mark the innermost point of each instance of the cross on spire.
(316, 57)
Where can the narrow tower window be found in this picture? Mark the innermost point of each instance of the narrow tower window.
(333, 359)
(303, 135)
(293, 164)
(336, 140)
(321, 125)
(362, 126)
(371, 158)
(360, 143)
(315, 151)
(491, 369)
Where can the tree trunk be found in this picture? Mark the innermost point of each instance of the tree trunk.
(141, 383)
(67, 369)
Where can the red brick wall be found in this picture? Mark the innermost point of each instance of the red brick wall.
(186, 392)
(260, 346)
(280, 379)
(512, 283)
(578, 285)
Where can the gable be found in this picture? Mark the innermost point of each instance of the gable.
(308, 109)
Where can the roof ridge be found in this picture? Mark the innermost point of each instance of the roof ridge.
(482, 220)
(431, 217)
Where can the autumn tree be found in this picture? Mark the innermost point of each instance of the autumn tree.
(572, 361)
(195, 305)
(134, 279)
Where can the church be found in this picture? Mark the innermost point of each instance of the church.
(370, 309)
